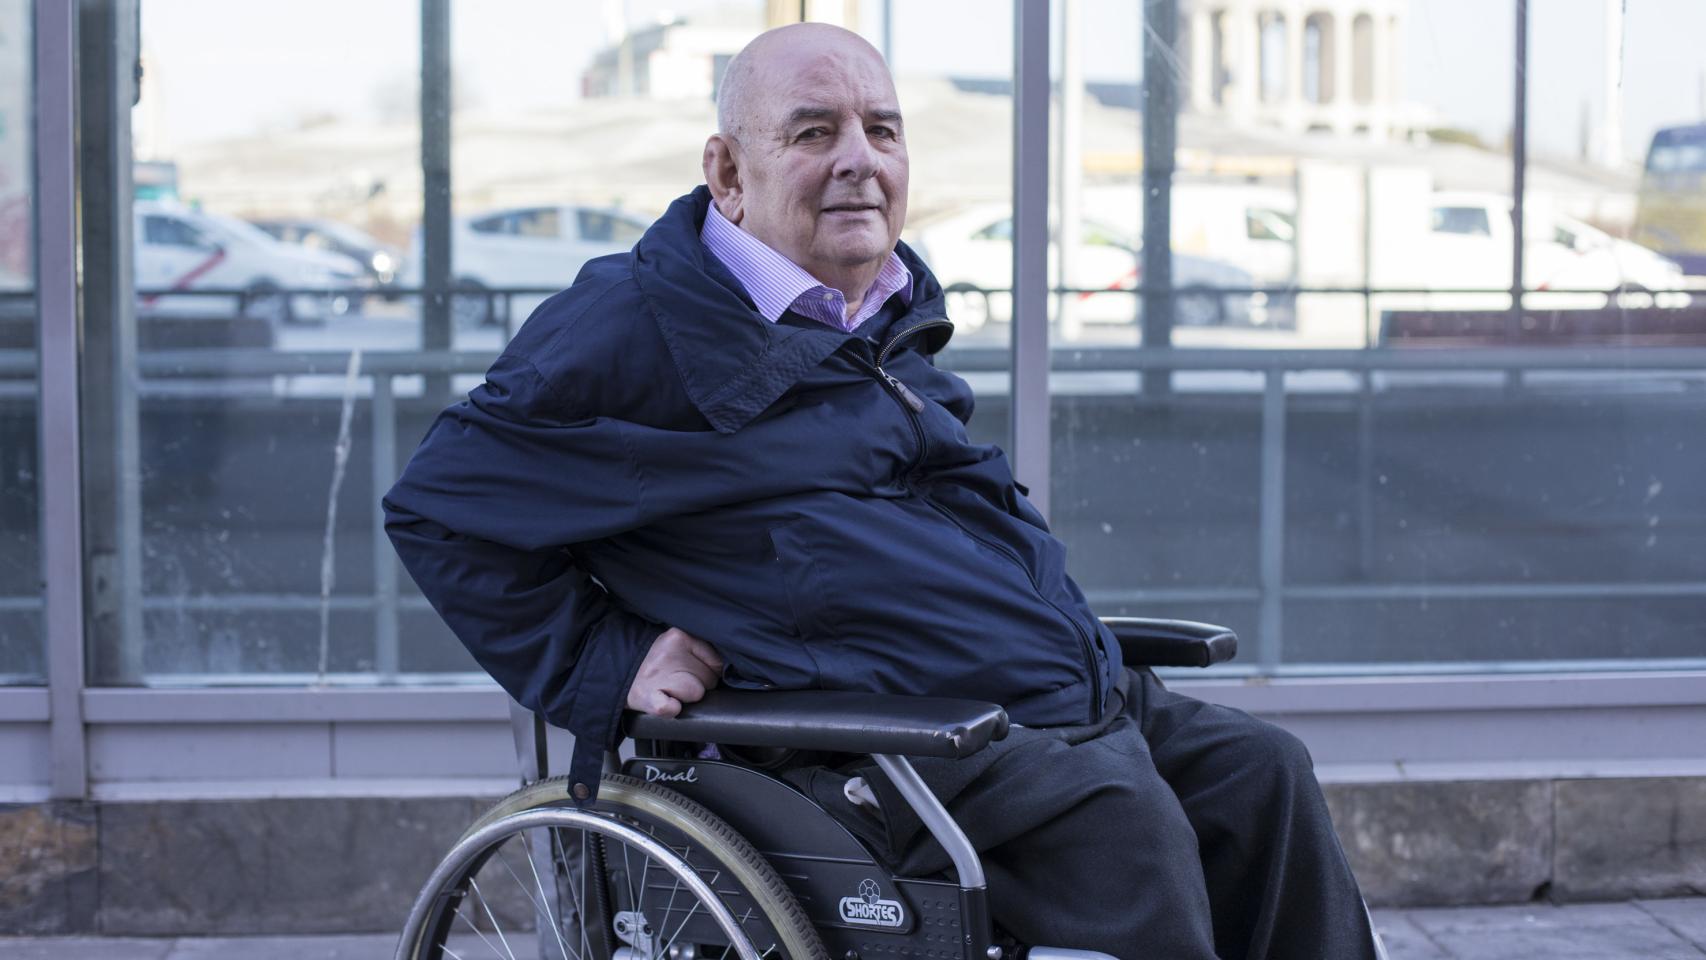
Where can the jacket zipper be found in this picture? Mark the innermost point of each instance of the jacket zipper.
(900, 389)
(911, 402)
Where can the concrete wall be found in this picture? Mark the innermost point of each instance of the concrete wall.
(353, 864)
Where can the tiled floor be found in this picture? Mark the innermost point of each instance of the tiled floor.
(1641, 930)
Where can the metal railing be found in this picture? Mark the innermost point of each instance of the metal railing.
(1269, 593)
(379, 372)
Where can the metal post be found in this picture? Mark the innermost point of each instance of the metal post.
(888, 34)
(1030, 414)
(1367, 256)
(436, 263)
(1519, 168)
(385, 659)
(1160, 138)
(106, 70)
(1269, 639)
(1071, 179)
(1366, 479)
(57, 408)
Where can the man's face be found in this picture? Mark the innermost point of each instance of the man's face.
(823, 165)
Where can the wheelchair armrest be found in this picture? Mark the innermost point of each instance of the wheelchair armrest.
(1171, 643)
(835, 720)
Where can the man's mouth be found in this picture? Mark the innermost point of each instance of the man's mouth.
(849, 208)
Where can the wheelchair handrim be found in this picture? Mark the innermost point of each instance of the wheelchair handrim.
(465, 858)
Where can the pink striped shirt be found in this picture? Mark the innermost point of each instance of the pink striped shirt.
(776, 283)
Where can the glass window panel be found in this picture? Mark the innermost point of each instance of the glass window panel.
(1447, 518)
(231, 490)
(23, 654)
(958, 100)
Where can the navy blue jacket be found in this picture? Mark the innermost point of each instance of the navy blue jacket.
(649, 452)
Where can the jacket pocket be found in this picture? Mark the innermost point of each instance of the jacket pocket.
(802, 580)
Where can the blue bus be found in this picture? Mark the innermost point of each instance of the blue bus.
(1670, 211)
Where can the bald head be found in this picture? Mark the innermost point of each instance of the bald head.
(771, 57)
(810, 154)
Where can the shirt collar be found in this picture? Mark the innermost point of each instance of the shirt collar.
(775, 282)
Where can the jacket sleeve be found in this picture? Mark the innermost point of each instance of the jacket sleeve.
(483, 518)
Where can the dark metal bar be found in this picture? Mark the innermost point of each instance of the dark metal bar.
(1029, 349)
(1631, 360)
(1519, 167)
(436, 262)
(1160, 139)
(1271, 536)
(106, 66)
(385, 630)
(56, 411)
(888, 33)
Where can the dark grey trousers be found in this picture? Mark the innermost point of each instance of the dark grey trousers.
(1173, 830)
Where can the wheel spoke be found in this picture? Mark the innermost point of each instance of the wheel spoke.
(671, 905)
(497, 927)
(664, 950)
(731, 895)
(478, 933)
(569, 874)
(544, 902)
(628, 878)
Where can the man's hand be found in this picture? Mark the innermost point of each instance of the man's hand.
(678, 669)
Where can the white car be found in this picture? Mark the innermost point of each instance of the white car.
(971, 252)
(1566, 263)
(180, 250)
(533, 248)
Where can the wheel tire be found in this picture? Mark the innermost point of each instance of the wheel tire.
(968, 307)
(775, 922)
(265, 301)
(470, 304)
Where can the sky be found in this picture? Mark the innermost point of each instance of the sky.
(227, 69)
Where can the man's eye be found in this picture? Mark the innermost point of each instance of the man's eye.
(886, 133)
(811, 133)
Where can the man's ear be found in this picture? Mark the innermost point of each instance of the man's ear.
(722, 175)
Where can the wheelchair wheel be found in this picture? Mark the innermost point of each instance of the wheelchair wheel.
(642, 873)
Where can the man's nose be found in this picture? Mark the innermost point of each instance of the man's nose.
(855, 157)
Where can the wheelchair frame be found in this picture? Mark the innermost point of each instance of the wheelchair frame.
(822, 861)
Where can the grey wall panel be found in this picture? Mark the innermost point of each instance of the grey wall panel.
(25, 763)
(422, 750)
(1578, 737)
(27, 704)
(235, 751)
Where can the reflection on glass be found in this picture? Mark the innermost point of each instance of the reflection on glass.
(22, 648)
(276, 176)
(278, 256)
(1350, 170)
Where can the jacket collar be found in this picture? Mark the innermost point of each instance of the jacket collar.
(732, 362)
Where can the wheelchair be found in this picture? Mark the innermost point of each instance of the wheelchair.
(696, 852)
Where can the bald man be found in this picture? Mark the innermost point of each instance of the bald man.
(729, 457)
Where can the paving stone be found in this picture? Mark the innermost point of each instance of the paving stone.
(524, 947)
(84, 948)
(1403, 939)
(47, 869)
(366, 947)
(1530, 916)
(330, 865)
(1422, 844)
(1630, 838)
(1685, 917)
(1541, 941)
